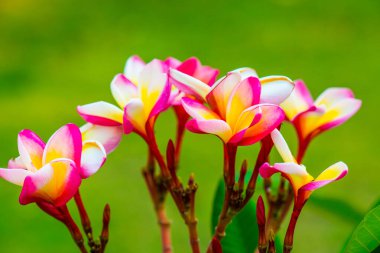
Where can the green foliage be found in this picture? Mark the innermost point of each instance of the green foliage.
(366, 236)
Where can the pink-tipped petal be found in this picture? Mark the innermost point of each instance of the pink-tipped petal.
(154, 88)
(296, 174)
(15, 176)
(275, 89)
(298, 102)
(213, 126)
(282, 147)
(189, 84)
(162, 102)
(17, 163)
(339, 113)
(266, 171)
(189, 66)
(172, 62)
(272, 116)
(93, 158)
(101, 113)
(109, 137)
(316, 120)
(243, 96)
(123, 90)
(134, 116)
(55, 183)
(65, 143)
(197, 110)
(221, 92)
(133, 68)
(246, 72)
(31, 148)
(331, 174)
(207, 75)
(333, 95)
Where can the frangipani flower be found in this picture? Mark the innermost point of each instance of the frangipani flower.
(53, 172)
(141, 93)
(108, 137)
(192, 67)
(302, 182)
(243, 108)
(332, 108)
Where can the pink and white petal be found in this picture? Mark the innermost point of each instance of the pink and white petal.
(134, 116)
(333, 95)
(214, 126)
(17, 163)
(172, 62)
(189, 66)
(271, 117)
(15, 176)
(333, 173)
(66, 142)
(123, 90)
(298, 102)
(246, 72)
(282, 147)
(275, 89)
(93, 157)
(133, 68)
(109, 137)
(101, 113)
(55, 183)
(296, 174)
(307, 123)
(162, 102)
(249, 117)
(152, 84)
(197, 110)
(206, 74)
(314, 122)
(189, 85)
(221, 92)
(243, 96)
(31, 148)
(339, 113)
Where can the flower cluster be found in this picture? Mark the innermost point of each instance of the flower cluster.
(240, 108)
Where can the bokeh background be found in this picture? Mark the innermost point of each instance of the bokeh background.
(55, 55)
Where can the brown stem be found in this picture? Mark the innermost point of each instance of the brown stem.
(164, 223)
(288, 242)
(175, 188)
(105, 230)
(86, 223)
(73, 228)
(226, 215)
(158, 198)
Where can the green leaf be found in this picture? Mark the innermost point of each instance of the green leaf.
(366, 236)
(335, 206)
(242, 233)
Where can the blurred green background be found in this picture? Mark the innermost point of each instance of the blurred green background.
(55, 55)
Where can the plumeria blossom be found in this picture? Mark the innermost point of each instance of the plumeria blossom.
(243, 108)
(109, 137)
(302, 182)
(142, 92)
(192, 67)
(310, 118)
(52, 172)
